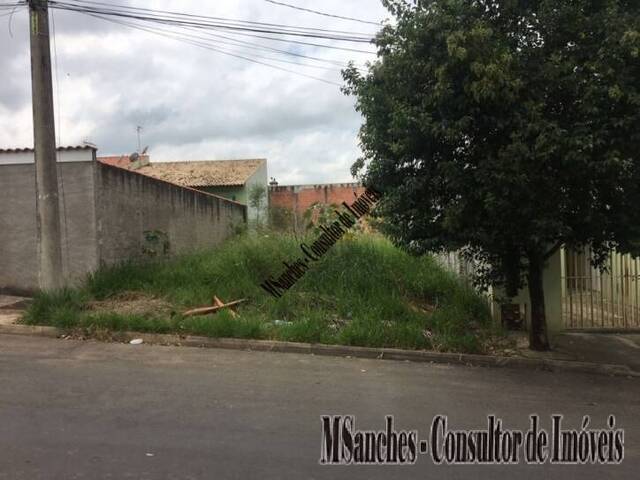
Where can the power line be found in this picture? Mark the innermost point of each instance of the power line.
(298, 42)
(232, 30)
(8, 13)
(278, 50)
(13, 7)
(188, 20)
(59, 132)
(253, 46)
(295, 7)
(209, 47)
(5, 6)
(181, 27)
(149, 11)
(209, 42)
(200, 41)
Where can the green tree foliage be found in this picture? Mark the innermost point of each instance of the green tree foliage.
(506, 128)
(257, 198)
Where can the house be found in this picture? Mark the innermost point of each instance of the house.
(231, 179)
(108, 214)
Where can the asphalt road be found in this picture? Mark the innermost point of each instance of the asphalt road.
(87, 410)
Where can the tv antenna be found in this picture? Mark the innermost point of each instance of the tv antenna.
(138, 130)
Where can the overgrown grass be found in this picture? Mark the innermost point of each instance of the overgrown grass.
(363, 292)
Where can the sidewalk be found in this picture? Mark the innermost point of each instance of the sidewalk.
(585, 347)
(610, 354)
(620, 349)
(11, 307)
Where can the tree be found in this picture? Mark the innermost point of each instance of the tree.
(257, 196)
(506, 128)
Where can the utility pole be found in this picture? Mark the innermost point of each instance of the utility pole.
(44, 141)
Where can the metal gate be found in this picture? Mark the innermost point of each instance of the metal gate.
(597, 299)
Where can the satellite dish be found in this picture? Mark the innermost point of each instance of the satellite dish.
(134, 156)
(144, 150)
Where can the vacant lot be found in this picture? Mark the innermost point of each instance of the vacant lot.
(363, 292)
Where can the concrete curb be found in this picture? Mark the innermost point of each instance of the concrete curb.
(344, 351)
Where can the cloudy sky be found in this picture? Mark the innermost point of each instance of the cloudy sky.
(194, 103)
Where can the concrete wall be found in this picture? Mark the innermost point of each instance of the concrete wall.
(18, 236)
(105, 211)
(130, 203)
(552, 283)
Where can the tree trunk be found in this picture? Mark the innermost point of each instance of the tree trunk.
(538, 339)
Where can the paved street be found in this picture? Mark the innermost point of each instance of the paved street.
(88, 410)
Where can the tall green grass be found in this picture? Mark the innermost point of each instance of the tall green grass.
(363, 292)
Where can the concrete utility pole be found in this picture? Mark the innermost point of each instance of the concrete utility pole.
(44, 140)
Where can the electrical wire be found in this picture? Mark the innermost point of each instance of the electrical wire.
(239, 42)
(155, 12)
(207, 26)
(308, 10)
(202, 41)
(209, 36)
(9, 13)
(224, 25)
(7, 6)
(59, 135)
(208, 47)
(183, 27)
(298, 42)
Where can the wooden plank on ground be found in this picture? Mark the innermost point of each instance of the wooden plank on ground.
(213, 309)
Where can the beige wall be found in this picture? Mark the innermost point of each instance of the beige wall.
(552, 284)
(553, 276)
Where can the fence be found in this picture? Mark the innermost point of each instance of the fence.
(577, 295)
(465, 270)
(597, 299)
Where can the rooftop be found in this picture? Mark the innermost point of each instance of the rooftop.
(62, 149)
(208, 173)
(123, 161)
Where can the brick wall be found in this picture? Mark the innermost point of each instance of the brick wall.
(298, 198)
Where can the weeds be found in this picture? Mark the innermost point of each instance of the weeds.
(363, 292)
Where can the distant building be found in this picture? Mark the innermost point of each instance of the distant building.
(231, 179)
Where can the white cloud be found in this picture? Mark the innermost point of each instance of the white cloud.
(194, 103)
